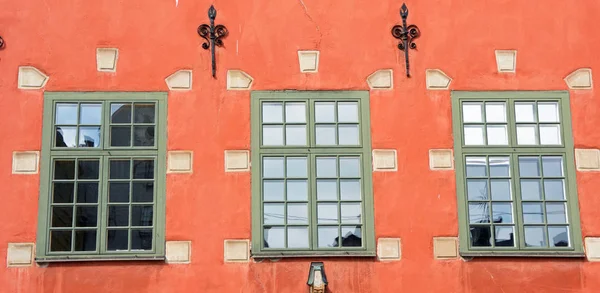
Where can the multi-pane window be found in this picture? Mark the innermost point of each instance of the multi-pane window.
(312, 184)
(515, 171)
(102, 188)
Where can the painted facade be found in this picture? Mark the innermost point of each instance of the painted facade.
(51, 46)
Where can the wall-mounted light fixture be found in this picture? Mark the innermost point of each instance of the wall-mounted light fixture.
(317, 281)
(212, 34)
(406, 35)
(1, 43)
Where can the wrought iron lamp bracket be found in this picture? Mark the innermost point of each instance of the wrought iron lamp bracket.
(406, 34)
(212, 35)
(1, 43)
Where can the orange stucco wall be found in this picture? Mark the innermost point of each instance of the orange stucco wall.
(157, 37)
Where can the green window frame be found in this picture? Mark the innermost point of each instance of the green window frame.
(102, 176)
(311, 174)
(515, 173)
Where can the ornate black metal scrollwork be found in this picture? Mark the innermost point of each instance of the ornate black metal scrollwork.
(406, 35)
(212, 35)
(1, 43)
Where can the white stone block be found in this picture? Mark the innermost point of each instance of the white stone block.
(384, 160)
(238, 80)
(580, 79)
(587, 159)
(506, 60)
(437, 79)
(237, 161)
(592, 248)
(179, 252)
(25, 162)
(237, 250)
(180, 80)
(309, 61)
(106, 59)
(441, 159)
(180, 162)
(19, 254)
(381, 79)
(30, 78)
(389, 249)
(445, 247)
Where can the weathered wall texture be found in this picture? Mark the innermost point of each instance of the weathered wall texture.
(157, 37)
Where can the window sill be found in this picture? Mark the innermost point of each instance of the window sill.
(308, 254)
(79, 258)
(557, 254)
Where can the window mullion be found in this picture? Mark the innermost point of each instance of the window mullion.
(103, 207)
(512, 128)
(313, 201)
(520, 231)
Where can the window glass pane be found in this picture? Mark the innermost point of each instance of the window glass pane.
(351, 213)
(348, 135)
(88, 169)
(295, 134)
(117, 240)
(548, 112)
(87, 192)
(272, 135)
(524, 112)
(481, 236)
(297, 190)
(476, 167)
(348, 112)
(295, 112)
(90, 114)
(550, 134)
(89, 137)
(66, 137)
(479, 213)
(143, 169)
(120, 113)
(324, 112)
(473, 135)
(351, 236)
(86, 216)
(350, 189)
(535, 236)
(119, 169)
(533, 213)
(526, 134)
(62, 216)
(143, 192)
(556, 213)
(504, 236)
(85, 240)
(328, 236)
(472, 112)
(272, 113)
(327, 213)
(297, 213)
(497, 135)
(60, 240)
(326, 189)
(554, 189)
(325, 134)
(273, 213)
(501, 189)
(531, 189)
(120, 136)
(143, 113)
(273, 167)
(296, 167)
(297, 237)
(66, 113)
(349, 167)
(118, 215)
(273, 190)
(63, 192)
(502, 213)
(499, 166)
(559, 236)
(553, 166)
(141, 239)
(529, 166)
(143, 135)
(495, 112)
(274, 237)
(326, 167)
(142, 215)
(118, 191)
(64, 169)
(477, 189)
